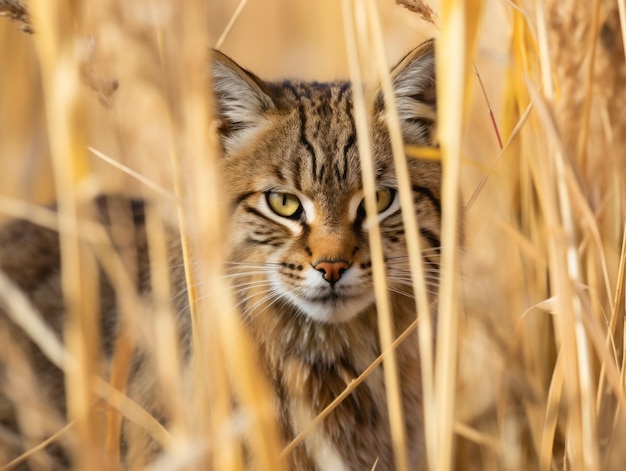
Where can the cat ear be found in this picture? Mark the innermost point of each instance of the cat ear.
(241, 102)
(414, 85)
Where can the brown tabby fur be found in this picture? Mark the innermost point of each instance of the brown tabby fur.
(297, 138)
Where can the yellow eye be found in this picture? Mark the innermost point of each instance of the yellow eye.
(284, 204)
(384, 198)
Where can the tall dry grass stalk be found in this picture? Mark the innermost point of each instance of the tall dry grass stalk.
(527, 369)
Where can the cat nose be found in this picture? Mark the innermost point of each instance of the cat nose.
(332, 270)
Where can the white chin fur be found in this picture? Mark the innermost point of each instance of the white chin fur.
(332, 312)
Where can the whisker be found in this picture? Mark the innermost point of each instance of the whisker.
(276, 295)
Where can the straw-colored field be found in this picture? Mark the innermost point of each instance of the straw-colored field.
(528, 367)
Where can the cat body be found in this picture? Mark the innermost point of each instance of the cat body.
(299, 255)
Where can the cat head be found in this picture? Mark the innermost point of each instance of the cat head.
(292, 173)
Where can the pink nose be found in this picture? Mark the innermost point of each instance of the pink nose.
(332, 271)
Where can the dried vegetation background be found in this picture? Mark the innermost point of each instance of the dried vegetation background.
(529, 368)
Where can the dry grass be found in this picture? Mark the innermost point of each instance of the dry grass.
(528, 368)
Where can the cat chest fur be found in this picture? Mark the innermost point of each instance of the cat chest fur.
(313, 364)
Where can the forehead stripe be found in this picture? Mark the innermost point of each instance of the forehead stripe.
(305, 141)
(302, 115)
(346, 149)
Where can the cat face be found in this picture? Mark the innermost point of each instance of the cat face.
(292, 172)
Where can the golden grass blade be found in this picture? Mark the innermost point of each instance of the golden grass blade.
(211, 390)
(565, 262)
(583, 137)
(621, 5)
(611, 369)
(133, 173)
(132, 411)
(385, 324)
(36, 214)
(224, 361)
(21, 311)
(426, 153)
(459, 22)
(551, 415)
(24, 456)
(120, 369)
(619, 287)
(78, 277)
(422, 301)
(476, 436)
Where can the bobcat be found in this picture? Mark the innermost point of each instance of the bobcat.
(299, 262)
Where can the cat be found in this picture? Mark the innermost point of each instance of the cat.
(299, 260)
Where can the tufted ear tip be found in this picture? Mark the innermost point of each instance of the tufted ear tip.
(415, 88)
(241, 102)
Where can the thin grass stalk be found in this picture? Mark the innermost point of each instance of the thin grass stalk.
(200, 395)
(552, 414)
(203, 399)
(538, 342)
(619, 288)
(612, 296)
(133, 173)
(130, 314)
(132, 411)
(581, 205)
(348, 390)
(476, 436)
(394, 403)
(130, 309)
(409, 219)
(120, 370)
(559, 276)
(611, 370)
(583, 137)
(620, 296)
(48, 441)
(166, 345)
(583, 354)
(621, 8)
(492, 116)
(22, 312)
(619, 410)
(565, 322)
(623, 366)
(199, 364)
(65, 123)
(252, 386)
(504, 151)
(231, 24)
(459, 21)
(572, 328)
